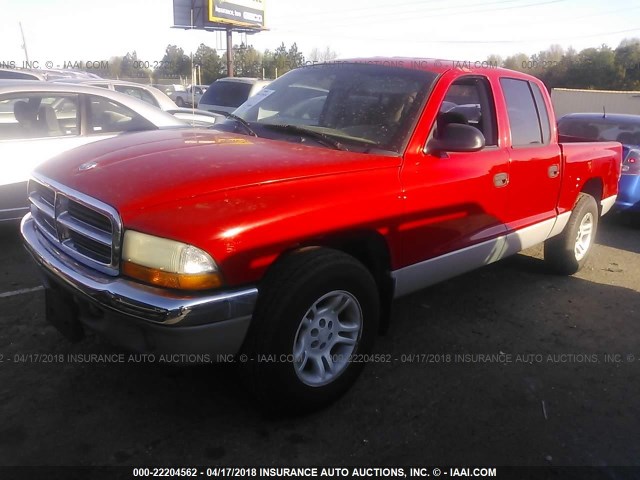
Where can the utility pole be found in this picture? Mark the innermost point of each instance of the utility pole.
(229, 52)
(24, 43)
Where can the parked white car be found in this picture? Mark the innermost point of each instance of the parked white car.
(39, 120)
(154, 96)
(146, 93)
(43, 75)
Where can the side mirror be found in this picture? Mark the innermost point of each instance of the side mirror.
(457, 137)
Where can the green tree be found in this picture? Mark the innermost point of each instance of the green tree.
(495, 60)
(248, 62)
(174, 65)
(519, 62)
(295, 58)
(593, 68)
(212, 66)
(282, 60)
(127, 67)
(115, 67)
(627, 59)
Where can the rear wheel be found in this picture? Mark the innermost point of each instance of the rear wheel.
(318, 311)
(568, 252)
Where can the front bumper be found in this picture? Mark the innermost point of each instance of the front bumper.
(140, 317)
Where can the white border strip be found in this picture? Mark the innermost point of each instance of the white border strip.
(20, 292)
(607, 203)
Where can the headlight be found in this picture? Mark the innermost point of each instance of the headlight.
(168, 263)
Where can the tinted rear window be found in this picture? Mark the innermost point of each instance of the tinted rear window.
(226, 94)
(597, 128)
(523, 114)
(542, 112)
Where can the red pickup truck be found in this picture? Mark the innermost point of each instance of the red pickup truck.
(281, 237)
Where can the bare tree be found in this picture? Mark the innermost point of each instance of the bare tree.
(326, 55)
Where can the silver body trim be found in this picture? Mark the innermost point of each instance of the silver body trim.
(429, 272)
(561, 222)
(607, 204)
(131, 299)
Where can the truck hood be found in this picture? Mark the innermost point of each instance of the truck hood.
(144, 169)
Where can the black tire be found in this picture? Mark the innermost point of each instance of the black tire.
(179, 102)
(283, 315)
(563, 253)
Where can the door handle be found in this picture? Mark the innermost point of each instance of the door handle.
(500, 180)
(553, 171)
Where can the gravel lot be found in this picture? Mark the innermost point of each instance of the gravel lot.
(561, 386)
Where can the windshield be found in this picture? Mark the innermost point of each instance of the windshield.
(363, 106)
(226, 94)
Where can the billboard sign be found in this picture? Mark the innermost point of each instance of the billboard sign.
(241, 13)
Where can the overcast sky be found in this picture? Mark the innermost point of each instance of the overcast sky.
(81, 30)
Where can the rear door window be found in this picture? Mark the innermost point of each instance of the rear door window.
(38, 115)
(522, 111)
(108, 116)
(137, 92)
(543, 114)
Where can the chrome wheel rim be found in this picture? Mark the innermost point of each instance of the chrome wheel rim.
(584, 237)
(327, 335)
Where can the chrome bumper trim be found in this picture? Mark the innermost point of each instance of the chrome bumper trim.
(131, 299)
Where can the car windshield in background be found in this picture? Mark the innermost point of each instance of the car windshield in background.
(601, 129)
(362, 106)
(226, 94)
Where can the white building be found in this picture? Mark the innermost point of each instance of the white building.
(566, 100)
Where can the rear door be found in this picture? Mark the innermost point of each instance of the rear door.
(534, 174)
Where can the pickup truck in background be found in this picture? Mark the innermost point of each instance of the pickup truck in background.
(282, 236)
(188, 96)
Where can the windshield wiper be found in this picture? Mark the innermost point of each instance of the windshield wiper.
(319, 137)
(242, 122)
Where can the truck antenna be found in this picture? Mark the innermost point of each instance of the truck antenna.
(604, 112)
(24, 43)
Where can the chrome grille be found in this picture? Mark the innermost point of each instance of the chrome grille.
(84, 228)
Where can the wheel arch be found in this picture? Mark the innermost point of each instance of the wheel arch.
(595, 188)
(368, 247)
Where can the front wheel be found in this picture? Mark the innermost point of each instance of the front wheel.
(316, 318)
(180, 102)
(568, 252)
